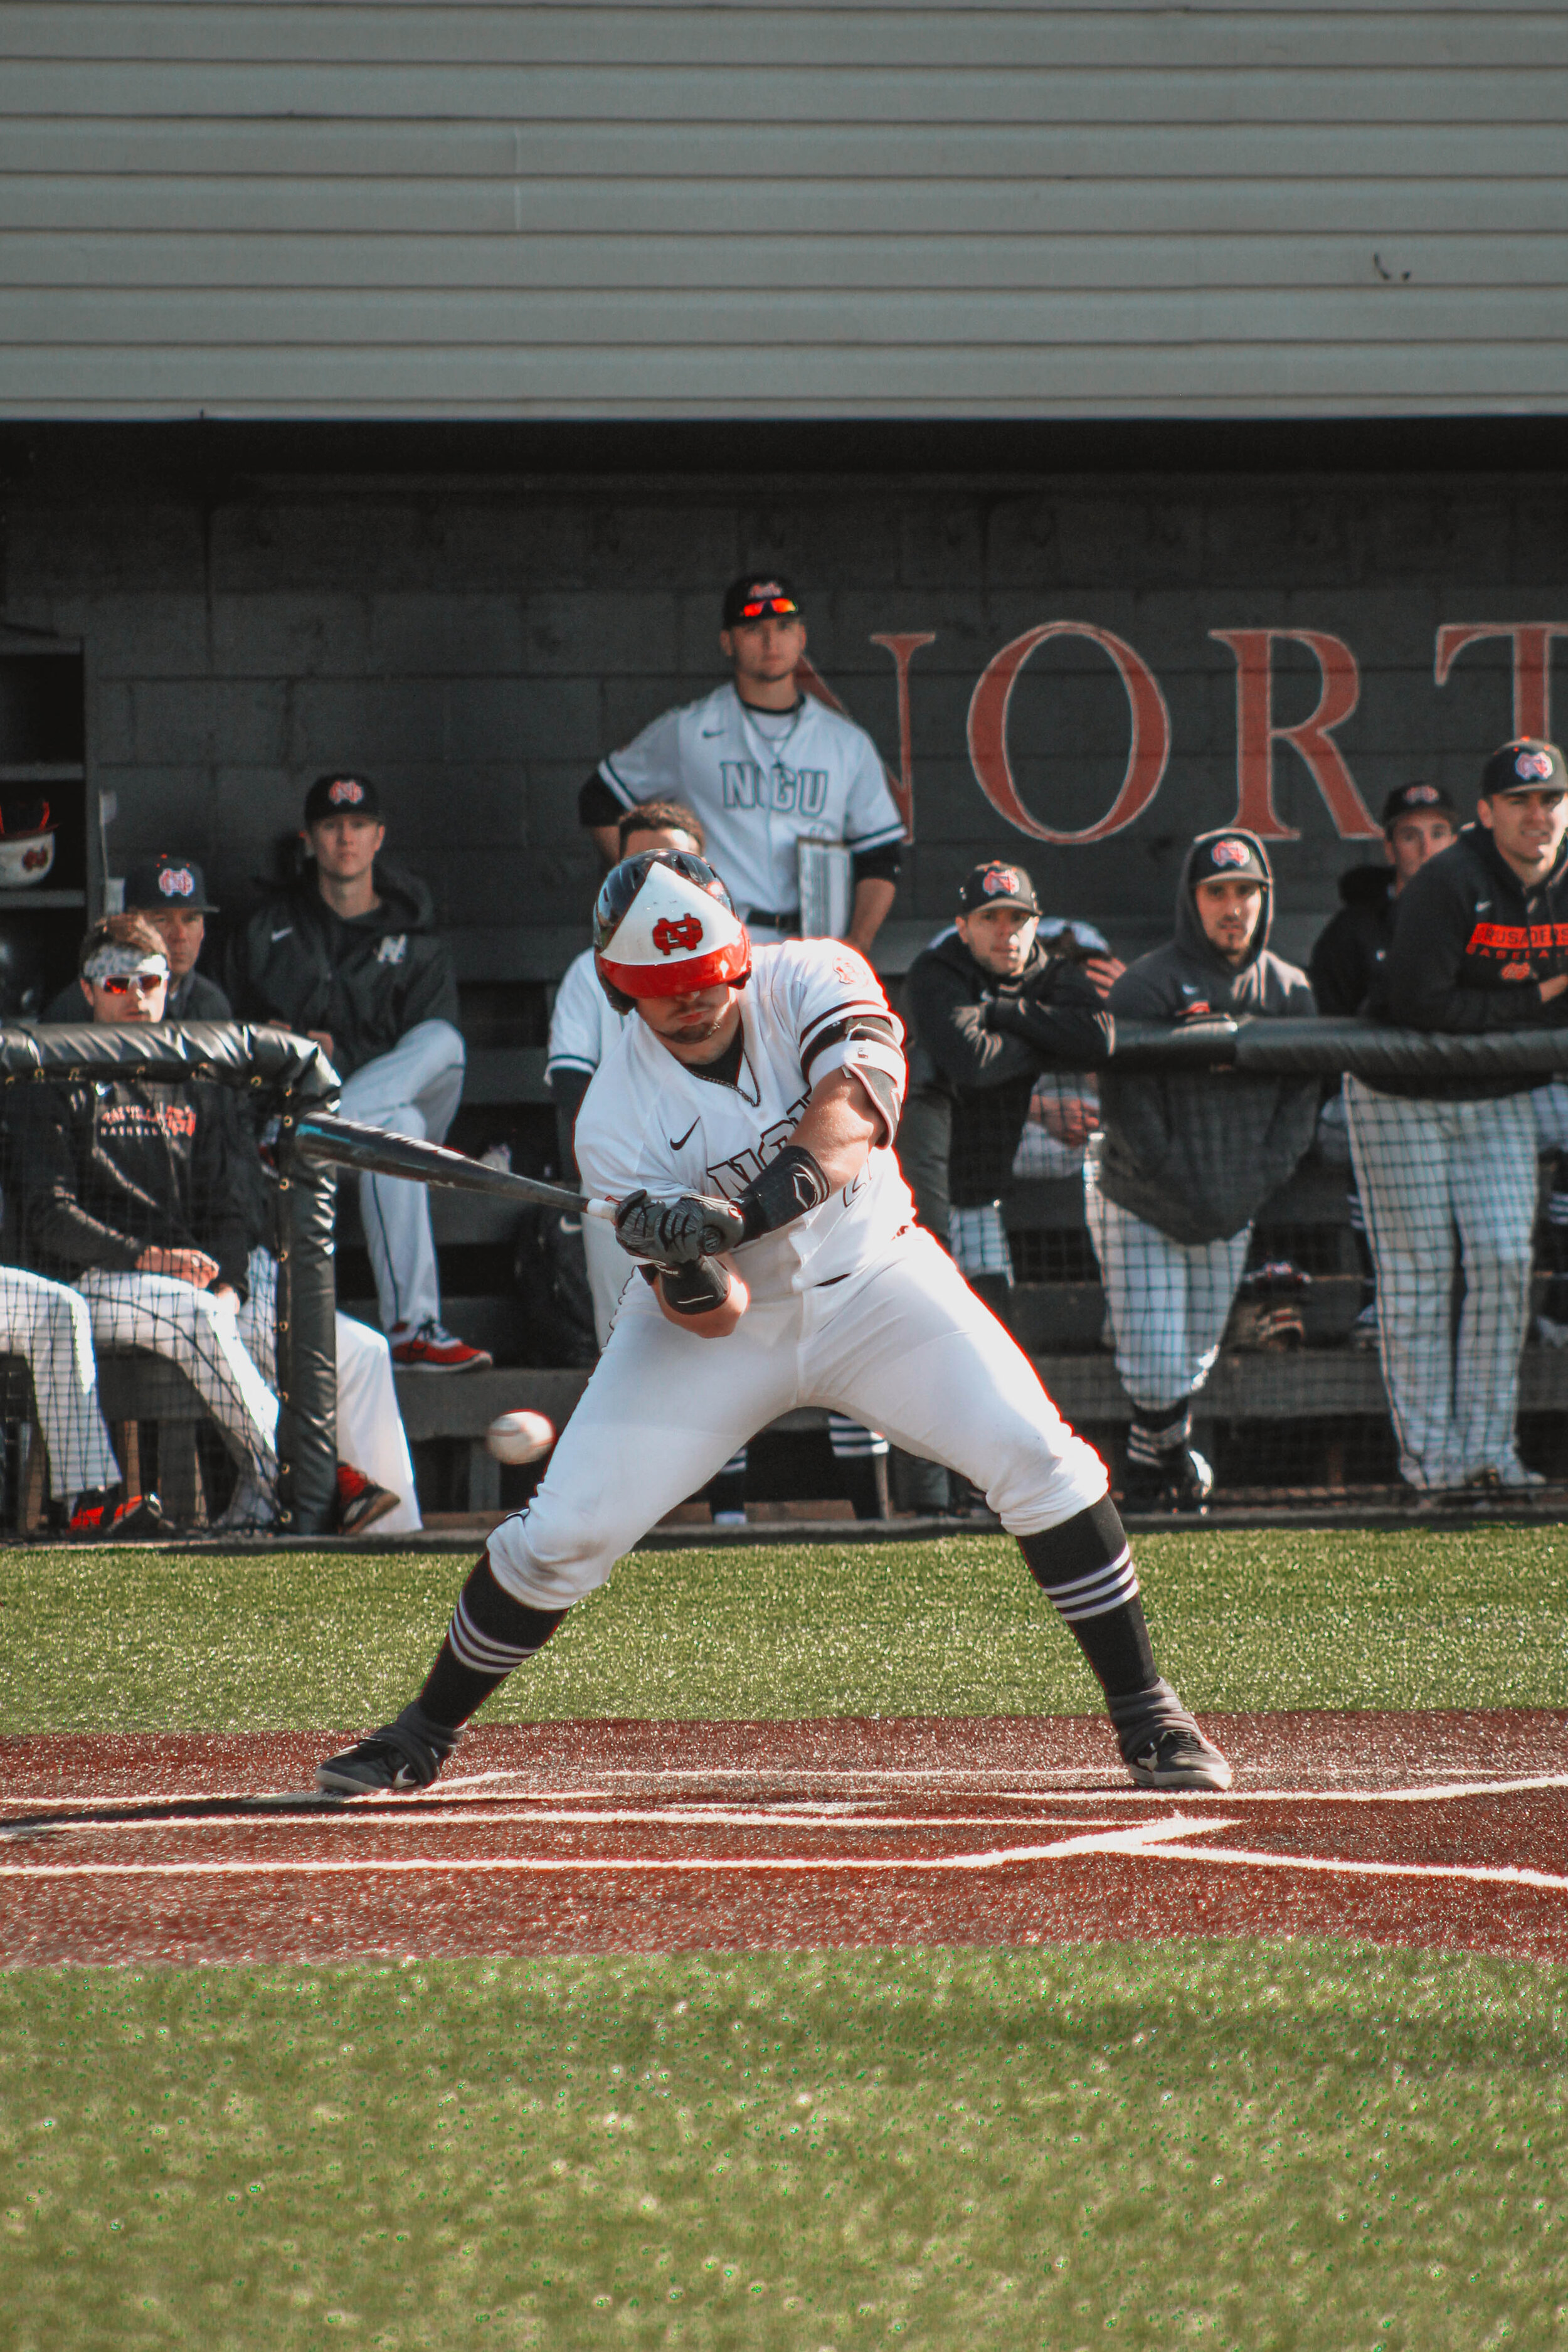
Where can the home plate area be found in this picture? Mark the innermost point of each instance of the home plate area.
(1440, 1829)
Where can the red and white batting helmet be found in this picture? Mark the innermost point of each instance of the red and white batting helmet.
(664, 926)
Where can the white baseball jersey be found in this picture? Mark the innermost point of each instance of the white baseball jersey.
(584, 1024)
(649, 1121)
(762, 781)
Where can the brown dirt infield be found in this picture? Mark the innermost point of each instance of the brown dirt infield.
(1443, 1829)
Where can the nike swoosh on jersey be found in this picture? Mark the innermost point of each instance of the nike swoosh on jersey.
(676, 1141)
(286, 933)
(708, 733)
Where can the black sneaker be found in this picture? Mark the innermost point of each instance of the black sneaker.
(1179, 1758)
(1182, 1481)
(392, 1761)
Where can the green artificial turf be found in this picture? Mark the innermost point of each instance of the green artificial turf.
(129, 1641)
(1317, 2146)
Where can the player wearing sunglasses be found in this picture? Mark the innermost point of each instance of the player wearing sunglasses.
(765, 766)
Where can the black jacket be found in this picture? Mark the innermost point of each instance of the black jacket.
(195, 998)
(367, 982)
(1471, 945)
(988, 1040)
(105, 1168)
(1352, 945)
(1197, 1153)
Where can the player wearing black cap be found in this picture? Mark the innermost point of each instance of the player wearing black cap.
(992, 1005)
(350, 958)
(766, 768)
(1480, 942)
(1186, 1159)
(1418, 819)
(172, 893)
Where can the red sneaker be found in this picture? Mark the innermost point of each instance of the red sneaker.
(137, 1515)
(432, 1349)
(361, 1502)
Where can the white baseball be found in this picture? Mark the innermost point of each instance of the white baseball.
(519, 1436)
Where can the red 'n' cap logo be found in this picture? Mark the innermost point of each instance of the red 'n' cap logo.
(1533, 764)
(998, 878)
(1230, 853)
(1419, 795)
(668, 936)
(344, 793)
(176, 881)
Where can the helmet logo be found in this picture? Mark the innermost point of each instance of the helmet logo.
(668, 936)
(999, 879)
(176, 882)
(1229, 853)
(1533, 764)
(344, 793)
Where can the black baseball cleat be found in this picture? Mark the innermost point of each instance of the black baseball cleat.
(1179, 1758)
(394, 1761)
(1182, 1481)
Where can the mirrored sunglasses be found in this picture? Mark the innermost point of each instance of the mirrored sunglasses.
(782, 605)
(145, 983)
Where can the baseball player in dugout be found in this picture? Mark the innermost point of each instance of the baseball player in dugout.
(349, 958)
(1418, 819)
(769, 769)
(1184, 1160)
(171, 893)
(1480, 942)
(148, 1194)
(741, 1127)
(995, 1006)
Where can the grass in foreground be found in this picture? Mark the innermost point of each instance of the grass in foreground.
(1317, 2146)
(1276, 1618)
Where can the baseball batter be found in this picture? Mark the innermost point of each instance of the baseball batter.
(743, 1125)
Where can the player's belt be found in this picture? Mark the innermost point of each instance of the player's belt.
(766, 919)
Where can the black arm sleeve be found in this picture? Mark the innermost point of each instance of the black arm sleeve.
(568, 1088)
(876, 865)
(597, 804)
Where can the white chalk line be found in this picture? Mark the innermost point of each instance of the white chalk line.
(674, 1817)
(1127, 1840)
(1494, 1874)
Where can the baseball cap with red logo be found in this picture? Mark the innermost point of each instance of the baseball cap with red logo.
(342, 793)
(1228, 858)
(155, 884)
(997, 883)
(664, 926)
(1525, 765)
(1416, 800)
(755, 595)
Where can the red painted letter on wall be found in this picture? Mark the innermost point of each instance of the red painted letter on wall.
(1146, 757)
(1256, 733)
(1532, 642)
(902, 786)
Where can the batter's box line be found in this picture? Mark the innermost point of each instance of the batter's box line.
(1477, 1874)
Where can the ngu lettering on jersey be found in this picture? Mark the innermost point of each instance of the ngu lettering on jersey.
(791, 792)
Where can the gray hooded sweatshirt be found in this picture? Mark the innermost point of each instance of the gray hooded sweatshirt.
(1197, 1153)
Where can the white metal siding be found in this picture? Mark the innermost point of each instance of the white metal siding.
(237, 208)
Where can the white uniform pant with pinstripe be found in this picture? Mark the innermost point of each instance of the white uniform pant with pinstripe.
(904, 1344)
(414, 1090)
(1169, 1301)
(51, 1325)
(1425, 1169)
(201, 1334)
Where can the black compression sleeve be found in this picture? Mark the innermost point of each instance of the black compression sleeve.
(789, 1186)
(695, 1289)
(597, 804)
(876, 865)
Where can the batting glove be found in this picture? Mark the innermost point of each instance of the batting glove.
(677, 1229)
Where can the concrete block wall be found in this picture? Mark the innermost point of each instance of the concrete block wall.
(476, 642)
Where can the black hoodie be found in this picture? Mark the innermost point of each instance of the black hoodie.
(367, 982)
(1352, 945)
(989, 1039)
(1197, 1153)
(1471, 945)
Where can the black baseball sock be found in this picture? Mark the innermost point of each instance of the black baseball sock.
(1154, 1438)
(1085, 1569)
(488, 1635)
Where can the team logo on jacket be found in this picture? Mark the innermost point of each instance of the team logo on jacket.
(667, 936)
(393, 948)
(176, 881)
(998, 878)
(344, 793)
(1230, 853)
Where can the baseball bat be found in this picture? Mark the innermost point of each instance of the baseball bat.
(344, 1143)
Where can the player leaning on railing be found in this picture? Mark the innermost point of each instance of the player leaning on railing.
(744, 1122)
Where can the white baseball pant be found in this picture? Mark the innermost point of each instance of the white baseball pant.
(51, 1325)
(201, 1334)
(1423, 1168)
(414, 1090)
(1169, 1301)
(370, 1425)
(904, 1345)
